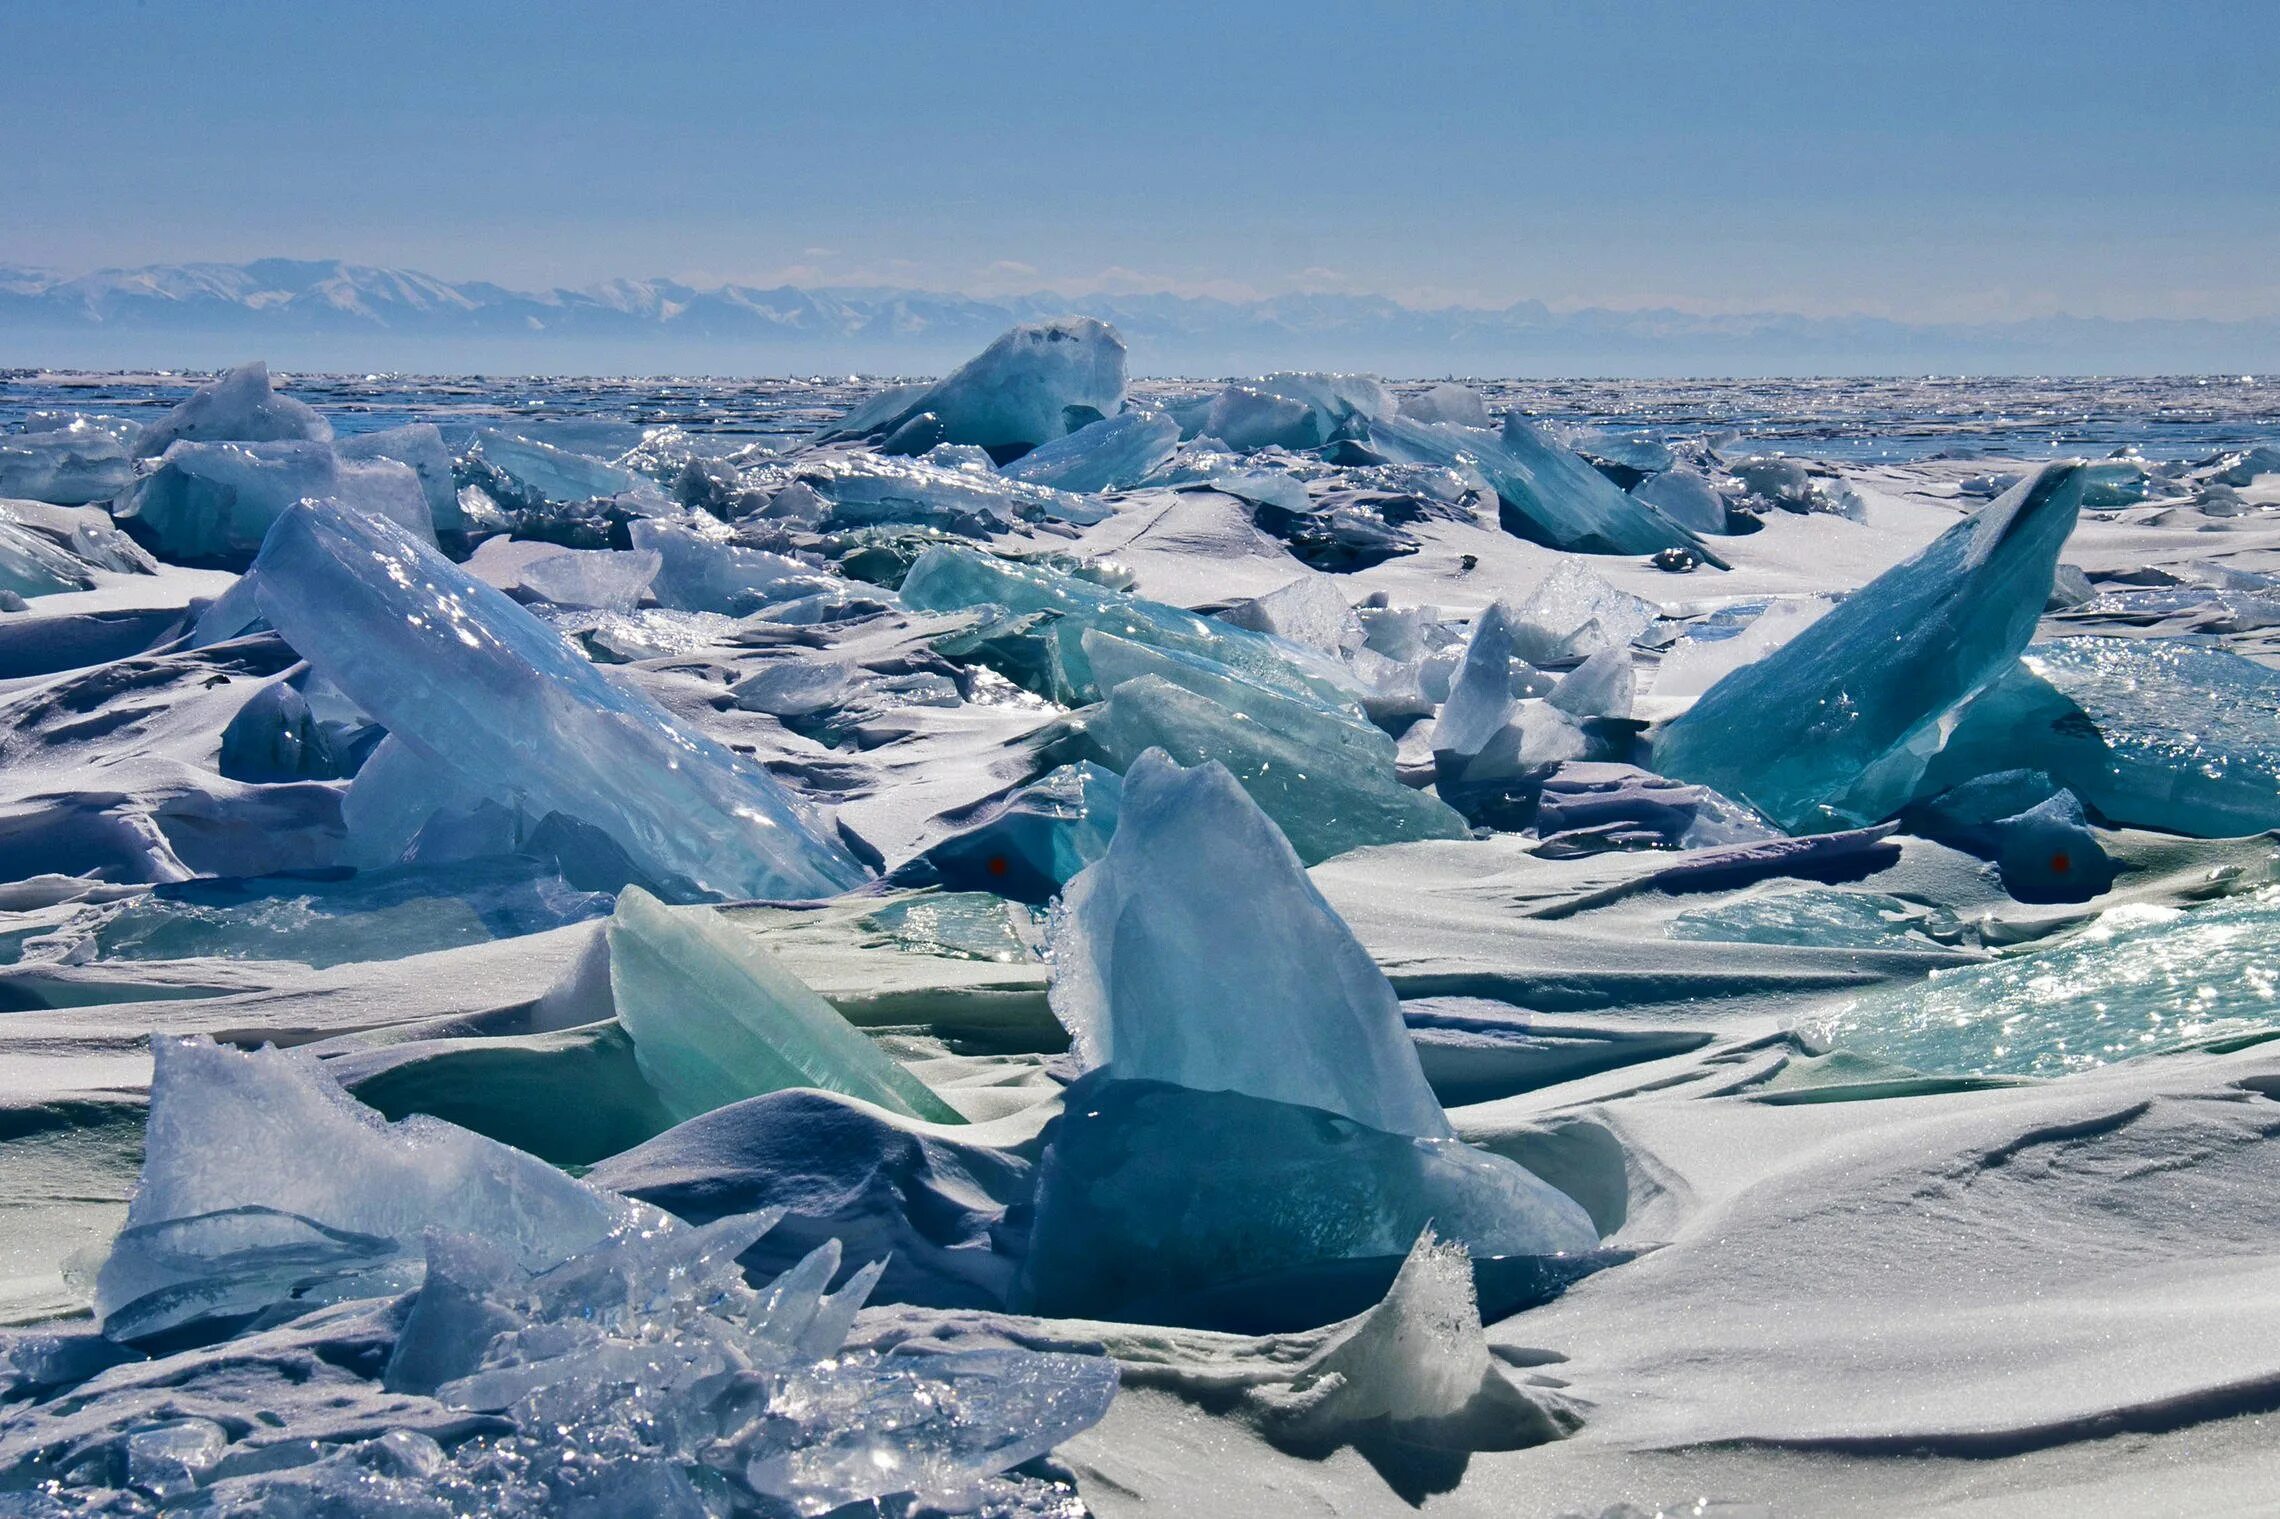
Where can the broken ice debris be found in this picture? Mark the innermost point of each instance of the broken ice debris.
(530, 476)
(866, 489)
(265, 1186)
(1549, 495)
(701, 569)
(2154, 732)
(33, 565)
(954, 579)
(611, 580)
(1113, 454)
(1836, 725)
(2140, 980)
(715, 1019)
(1197, 952)
(241, 406)
(497, 705)
(212, 503)
(1033, 384)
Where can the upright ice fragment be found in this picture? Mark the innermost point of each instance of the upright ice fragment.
(1836, 725)
(419, 446)
(1197, 952)
(499, 705)
(240, 407)
(1034, 384)
(715, 1019)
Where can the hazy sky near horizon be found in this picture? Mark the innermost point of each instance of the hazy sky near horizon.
(1924, 161)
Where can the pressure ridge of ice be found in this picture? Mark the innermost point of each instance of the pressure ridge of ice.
(766, 959)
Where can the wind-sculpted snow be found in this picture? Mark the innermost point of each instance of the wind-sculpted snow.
(500, 706)
(1838, 723)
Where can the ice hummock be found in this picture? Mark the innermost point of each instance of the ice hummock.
(497, 705)
(1032, 385)
(241, 406)
(1838, 723)
(212, 503)
(715, 1018)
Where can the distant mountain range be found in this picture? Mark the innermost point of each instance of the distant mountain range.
(314, 314)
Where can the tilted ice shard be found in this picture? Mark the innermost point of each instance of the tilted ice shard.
(1480, 697)
(2154, 732)
(529, 473)
(1312, 612)
(500, 705)
(1034, 384)
(240, 407)
(1548, 494)
(948, 579)
(67, 466)
(261, 1179)
(1328, 782)
(612, 579)
(213, 502)
(715, 1019)
(1197, 952)
(1113, 454)
(32, 565)
(1836, 725)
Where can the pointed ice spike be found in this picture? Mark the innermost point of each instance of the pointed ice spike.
(1835, 726)
(1198, 952)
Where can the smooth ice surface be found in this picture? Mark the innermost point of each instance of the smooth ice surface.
(2140, 980)
(2152, 732)
(1837, 723)
(243, 406)
(500, 705)
(263, 1181)
(1032, 385)
(715, 1018)
(1113, 454)
(214, 502)
(1197, 952)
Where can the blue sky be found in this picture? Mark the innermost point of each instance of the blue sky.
(1922, 160)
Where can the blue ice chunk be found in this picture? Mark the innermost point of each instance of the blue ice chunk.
(1033, 384)
(611, 579)
(1197, 952)
(1328, 781)
(1685, 498)
(530, 474)
(241, 406)
(1458, 405)
(1288, 410)
(499, 704)
(1113, 454)
(212, 502)
(2141, 980)
(955, 579)
(1027, 844)
(1547, 493)
(2048, 853)
(2153, 732)
(1836, 725)
(31, 565)
(1152, 1197)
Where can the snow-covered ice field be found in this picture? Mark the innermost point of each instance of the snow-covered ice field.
(1045, 942)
